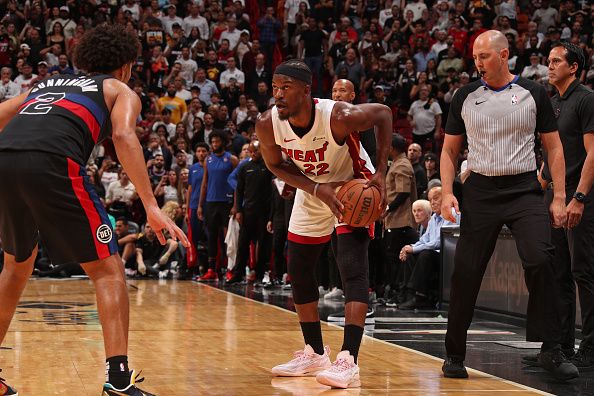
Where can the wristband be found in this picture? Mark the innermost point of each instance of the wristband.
(315, 190)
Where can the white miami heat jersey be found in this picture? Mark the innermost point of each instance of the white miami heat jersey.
(323, 160)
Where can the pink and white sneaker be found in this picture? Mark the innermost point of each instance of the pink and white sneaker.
(344, 373)
(305, 363)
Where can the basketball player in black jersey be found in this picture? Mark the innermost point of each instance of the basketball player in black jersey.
(47, 137)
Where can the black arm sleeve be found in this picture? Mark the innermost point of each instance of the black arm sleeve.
(399, 200)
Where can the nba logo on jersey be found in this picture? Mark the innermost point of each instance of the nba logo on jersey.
(514, 100)
(104, 233)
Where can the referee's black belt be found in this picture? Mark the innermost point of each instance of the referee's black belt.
(504, 180)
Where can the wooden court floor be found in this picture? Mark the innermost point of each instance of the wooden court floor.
(192, 339)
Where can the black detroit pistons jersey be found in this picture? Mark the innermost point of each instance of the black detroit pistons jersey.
(64, 115)
(45, 187)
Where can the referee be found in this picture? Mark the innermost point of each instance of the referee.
(574, 245)
(500, 115)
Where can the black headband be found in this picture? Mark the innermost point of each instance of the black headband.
(296, 70)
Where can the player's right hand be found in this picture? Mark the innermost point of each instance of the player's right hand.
(160, 223)
(199, 213)
(449, 201)
(327, 193)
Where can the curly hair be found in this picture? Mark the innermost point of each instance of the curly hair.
(105, 49)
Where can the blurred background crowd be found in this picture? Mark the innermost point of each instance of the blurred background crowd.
(204, 75)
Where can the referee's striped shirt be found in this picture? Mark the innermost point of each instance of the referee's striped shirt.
(501, 124)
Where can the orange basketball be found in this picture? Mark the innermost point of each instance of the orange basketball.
(361, 205)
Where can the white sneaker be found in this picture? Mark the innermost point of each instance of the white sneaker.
(306, 363)
(344, 373)
(335, 294)
(266, 278)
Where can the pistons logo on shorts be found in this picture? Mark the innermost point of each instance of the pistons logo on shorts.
(104, 233)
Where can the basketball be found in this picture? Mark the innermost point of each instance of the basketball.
(361, 205)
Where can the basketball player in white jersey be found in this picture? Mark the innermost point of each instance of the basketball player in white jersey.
(312, 145)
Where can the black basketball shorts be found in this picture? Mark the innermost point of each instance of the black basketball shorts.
(51, 196)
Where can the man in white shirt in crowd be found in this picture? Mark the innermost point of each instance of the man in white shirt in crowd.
(132, 7)
(23, 80)
(536, 71)
(231, 33)
(417, 7)
(232, 72)
(425, 118)
(180, 89)
(188, 66)
(170, 19)
(8, 89)
(196, 20)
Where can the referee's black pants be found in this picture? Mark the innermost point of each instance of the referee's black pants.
(574, 263)
(490, 202)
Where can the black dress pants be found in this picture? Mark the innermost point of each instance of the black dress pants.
(253, 229)
(397, 273)
(574, 263)
(425, 274)
(489, 203)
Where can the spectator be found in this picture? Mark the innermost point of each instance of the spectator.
(68, 23)
(263, 98)
(188, 66)
(171, 19)
(166, 190)
(231, 34)
(536, 71)
(42, 72)
(207, 87)
(23, 80)
(213, 67)
(126, 240)
(355, 71)
(63, 66)
(425, 255)
(120, 195)
(152, 258)
(425, 118)
(313, 49)
(195, 20)
(57, 37)
(258, 74)
(165, 123)
(269, 27)
(171, 102)
(232, 72)
(414, 154)
(431, 167)
(421, 210)
(8, 88)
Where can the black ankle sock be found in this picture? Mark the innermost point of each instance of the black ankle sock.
(548, 345)
(212, 264)
(352, 339)
(312, 334)
(117, 372)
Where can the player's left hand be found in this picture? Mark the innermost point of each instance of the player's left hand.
(558, 213)
(379, 180)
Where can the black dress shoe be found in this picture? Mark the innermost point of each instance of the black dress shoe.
(584, 359)
(417, 302)
(532, 360)
(454, 368)
(555, 362)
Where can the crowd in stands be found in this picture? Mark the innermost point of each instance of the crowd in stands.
(204, 74)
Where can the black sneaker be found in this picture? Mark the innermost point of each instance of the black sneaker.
(6, 390)
(454, 368)
(584, 359)
(132, 390)
(555, 362)
(532, 360)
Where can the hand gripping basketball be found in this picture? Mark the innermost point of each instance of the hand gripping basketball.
(326, 192)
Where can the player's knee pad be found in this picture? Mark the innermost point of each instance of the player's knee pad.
(301, 265)
(353, 264)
